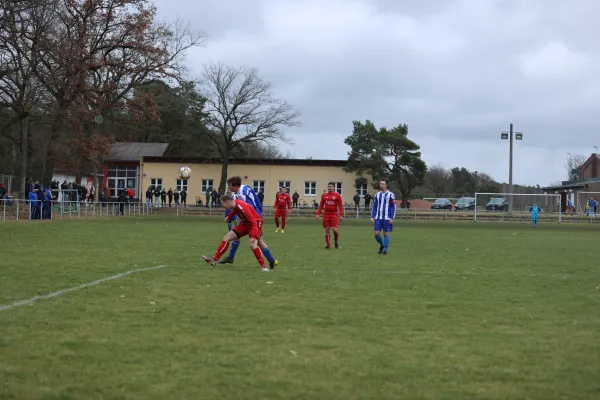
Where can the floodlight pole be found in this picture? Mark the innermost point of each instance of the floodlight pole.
(509, 136)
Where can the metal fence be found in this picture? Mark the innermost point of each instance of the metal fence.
(407, 214)
(26, 210)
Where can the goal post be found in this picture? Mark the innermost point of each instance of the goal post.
(514, 207)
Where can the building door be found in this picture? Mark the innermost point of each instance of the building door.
(120, 186)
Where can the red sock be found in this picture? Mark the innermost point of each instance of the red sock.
(221, 250)
(336, 236)
(327, 240)
(277, 222)
(259, 257)
(283, 223)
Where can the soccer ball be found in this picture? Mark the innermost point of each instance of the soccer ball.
(185, 172)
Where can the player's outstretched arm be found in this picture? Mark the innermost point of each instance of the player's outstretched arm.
(340, 203)
(392, 209)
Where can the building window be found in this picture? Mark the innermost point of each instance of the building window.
(337, 186)
(363, 189)
(286, 184)
(207, 184)
(121, 177)
(258, 186)
(156, 182)
(310, 188)
(181, 185)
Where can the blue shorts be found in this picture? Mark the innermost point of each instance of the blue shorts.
(382, 225)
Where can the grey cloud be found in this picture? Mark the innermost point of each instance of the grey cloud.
(458, 70)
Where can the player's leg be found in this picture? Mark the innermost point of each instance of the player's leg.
(267, 253)
(229, 236)
(283, 219)
(327, 226)
(335, 222)
(276, 220)
(387, 229)
(336, 236)
(377, 226)
(253, 242)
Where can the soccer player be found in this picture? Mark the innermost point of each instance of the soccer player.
(332, 203)
(251, 224)
(534, 210)
(382, 215)
(247, 195)
(283, 203)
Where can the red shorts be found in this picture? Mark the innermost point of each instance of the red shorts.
(245, 228)
(330, 221)
(281, 212)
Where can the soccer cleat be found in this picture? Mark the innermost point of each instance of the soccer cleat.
(274, 264)
(282, 231)
(327, 247)
(276, 230)
(380, 250)
(209, 260)
(264, 269)
(337, 245)
(385, 253)
(226, 260)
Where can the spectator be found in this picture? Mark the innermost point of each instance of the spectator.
(356, 199)
(295, 198)
(163, 197)
(157, 196)
(183, 197)
(367, 200)
(261, 197)
(170, 196)
(149, 193)
(176, 195)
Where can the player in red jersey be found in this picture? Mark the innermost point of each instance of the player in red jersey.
(332, 204)
(250, 224)
(283, 203)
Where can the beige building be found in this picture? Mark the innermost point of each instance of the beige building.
(307, 177)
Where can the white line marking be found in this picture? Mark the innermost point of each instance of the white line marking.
(85, 285)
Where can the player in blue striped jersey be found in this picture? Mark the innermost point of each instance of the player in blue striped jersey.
(382, 215)
(246, 194)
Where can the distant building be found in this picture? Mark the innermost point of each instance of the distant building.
(580, 190)
(307, 177)
(120, 168)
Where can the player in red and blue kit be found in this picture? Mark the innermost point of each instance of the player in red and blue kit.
(250, 225)
(382, 216)
(246, 194)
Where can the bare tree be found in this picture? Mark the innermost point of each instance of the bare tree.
(241, 108)
(573, 166)
(22, 23)
(97, 53)
(437, 179)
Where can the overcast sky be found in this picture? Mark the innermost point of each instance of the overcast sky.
(458, 72)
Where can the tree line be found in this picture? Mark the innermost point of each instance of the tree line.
(78, 75)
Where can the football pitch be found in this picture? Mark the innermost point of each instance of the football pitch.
(457, 310)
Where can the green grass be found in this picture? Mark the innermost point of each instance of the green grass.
(455, 311)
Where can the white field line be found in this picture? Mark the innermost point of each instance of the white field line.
(63, 291)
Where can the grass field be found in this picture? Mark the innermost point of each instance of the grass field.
(455, 311)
